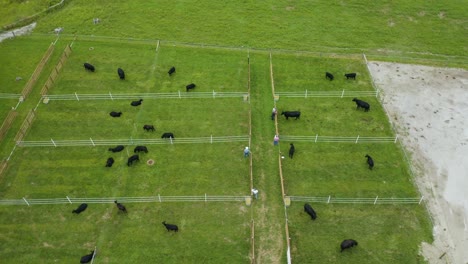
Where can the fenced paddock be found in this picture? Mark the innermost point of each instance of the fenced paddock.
(339, 200)
(357, 139)
(313, 93)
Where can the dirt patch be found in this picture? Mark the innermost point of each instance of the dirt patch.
(429, 109)
(17, 32)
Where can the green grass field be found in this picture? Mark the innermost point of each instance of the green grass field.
(330, 33)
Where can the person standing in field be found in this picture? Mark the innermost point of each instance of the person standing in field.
(273, 113)
(246, 152)
(276, 140)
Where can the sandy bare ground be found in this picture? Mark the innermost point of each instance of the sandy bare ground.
(429, 109)
(17, 32)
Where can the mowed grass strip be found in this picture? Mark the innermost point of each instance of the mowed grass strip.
(385, 233)
(208, 233)
(146, 69)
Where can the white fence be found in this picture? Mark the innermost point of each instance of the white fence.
(10, 96)
(374, 200)
(112, 142)
(150, 199)
(357, 139)
(340, 94)
(179, 95)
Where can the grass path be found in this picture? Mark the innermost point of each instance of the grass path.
(268, 210)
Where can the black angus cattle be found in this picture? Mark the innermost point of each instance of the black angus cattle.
(329, 76)
(121, 207)
(348, 243)
(121, 74)
(362, 104)
(350, 76)
(149, 128)
(310, 211)
(171, 70)
(88, 67)
(109, 162)
(288, 114)
(170, 227)
(136, 103)
(80, 208)
(140, 149)
(190, 87)
(370, 161)
(117, 148)
(167, 135)
(115, 114)
(87, 258)
(132, 159)
(292, 149)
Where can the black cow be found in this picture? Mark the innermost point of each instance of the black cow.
(87, 258)
(117, 149)
(121, 207)
(109, 162)
(329, 76)
(170, 227)
(80, 208)
(288, 114)
(292, 149)
(167, 135)
(348, 243)
(89, 67)
(171, 70)
(132, 159)
(115, 114)
(140, 148)
(136, 103)
(362, 104)
(310, 211)
(149, 128)
(350, 76)
(121, 73)
(190, 87)
(370, 161)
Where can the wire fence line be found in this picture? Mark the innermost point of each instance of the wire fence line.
(130, 141)
(105, 200)
(110, 96)
(374, 200)
(357, 139)
(10, 96)
(341, 94)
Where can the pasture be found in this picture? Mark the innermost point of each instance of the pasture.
(217, 232)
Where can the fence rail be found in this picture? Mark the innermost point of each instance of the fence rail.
(106, 142)
(150, 199)
(357, 139)
(374, 200)
(341, 94)
(10, 96)
(110, 96)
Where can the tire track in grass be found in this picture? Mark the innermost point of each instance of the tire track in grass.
(268, 209)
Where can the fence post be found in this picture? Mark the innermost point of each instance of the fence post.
(329, 198)
(306, 94)
(211, 141)
(179, 94)
(214, 94)
(420, 201)
(159, 197)
(357, 139)
(377, 92)
(77, 97)
(205, 198)
(69, 200)
(342, 94)
(92, 142)
(170, 138)
(53, 142)
(26, 201)
(316, 137)
(112, 98)
(376, 199)
(396, 137)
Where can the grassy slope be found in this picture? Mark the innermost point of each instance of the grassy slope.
(308, 25)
